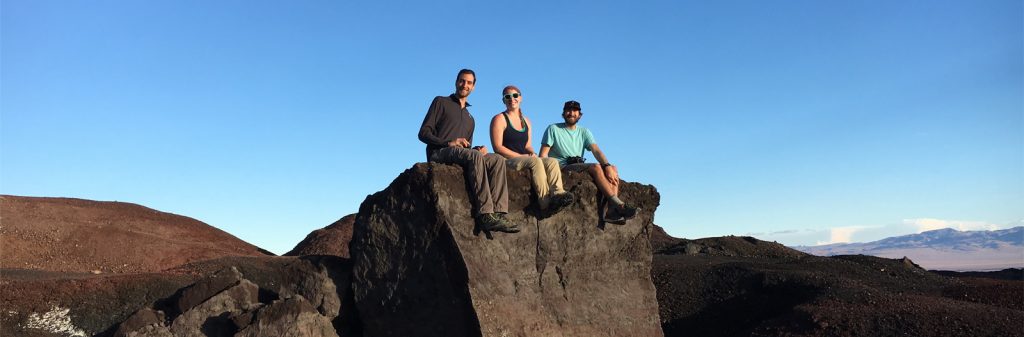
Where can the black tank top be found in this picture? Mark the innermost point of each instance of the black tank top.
(513, 139)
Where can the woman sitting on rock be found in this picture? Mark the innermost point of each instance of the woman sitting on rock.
(510, 137)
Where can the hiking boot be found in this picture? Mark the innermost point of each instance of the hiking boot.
(496, 222)
(488, 222)
(504, 224)
(613, 217)
(620, 214)
(560, 201)
(628, 211)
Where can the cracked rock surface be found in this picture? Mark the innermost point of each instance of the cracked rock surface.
(419, 268)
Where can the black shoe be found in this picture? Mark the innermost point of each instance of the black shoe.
(564, 199)
(560, 201)
(620, 214)
(614, 218)
(628, 211)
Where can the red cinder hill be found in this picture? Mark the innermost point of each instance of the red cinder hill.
(76, 235)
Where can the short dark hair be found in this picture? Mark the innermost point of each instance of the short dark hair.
(466, 71)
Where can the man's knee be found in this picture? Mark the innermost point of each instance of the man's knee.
(493, 159)
(596, 172)
(472, 156)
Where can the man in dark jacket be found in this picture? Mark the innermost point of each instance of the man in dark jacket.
(448, 132)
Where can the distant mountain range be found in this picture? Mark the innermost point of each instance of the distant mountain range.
(942, 249)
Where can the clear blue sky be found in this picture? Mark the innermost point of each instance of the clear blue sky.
(799, 121)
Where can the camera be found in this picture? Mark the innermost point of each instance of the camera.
(574, 160)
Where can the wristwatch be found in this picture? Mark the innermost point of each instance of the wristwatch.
(606, 165)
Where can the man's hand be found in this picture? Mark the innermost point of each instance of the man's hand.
(612, 174)
(459, 142)
(481, 148)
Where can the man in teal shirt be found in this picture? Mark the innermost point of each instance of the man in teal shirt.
(567, 141)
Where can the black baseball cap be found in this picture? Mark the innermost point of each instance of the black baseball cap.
(571, 105)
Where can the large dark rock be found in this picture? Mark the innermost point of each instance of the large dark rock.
(330, 240)
(291, 317)
(419, 270)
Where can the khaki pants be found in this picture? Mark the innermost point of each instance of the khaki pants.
(545, 173)
(486, 176)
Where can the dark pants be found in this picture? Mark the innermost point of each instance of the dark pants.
(485, 173)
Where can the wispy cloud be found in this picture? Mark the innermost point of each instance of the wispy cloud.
(928, 224)
(782, 232)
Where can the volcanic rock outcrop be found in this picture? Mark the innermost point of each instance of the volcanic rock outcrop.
(76, 235)
(419, 269)
(330, 240)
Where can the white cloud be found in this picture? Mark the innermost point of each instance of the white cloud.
(927, 224)
(841, 234)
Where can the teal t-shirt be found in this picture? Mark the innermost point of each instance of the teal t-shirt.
(567, 143)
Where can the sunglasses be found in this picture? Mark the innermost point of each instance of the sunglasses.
(511, 96)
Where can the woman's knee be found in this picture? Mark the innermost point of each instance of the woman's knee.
(549, 162)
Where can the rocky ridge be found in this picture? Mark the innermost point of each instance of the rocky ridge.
(741, 286)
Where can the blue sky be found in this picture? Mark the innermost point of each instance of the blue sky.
(804, 122)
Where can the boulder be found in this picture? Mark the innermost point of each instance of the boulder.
(212, 317)
(420, 270)
(146, 321)
(330, 240)
(291, 317)
(207, 288)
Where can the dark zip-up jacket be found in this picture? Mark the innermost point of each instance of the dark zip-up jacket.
(446, 121)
